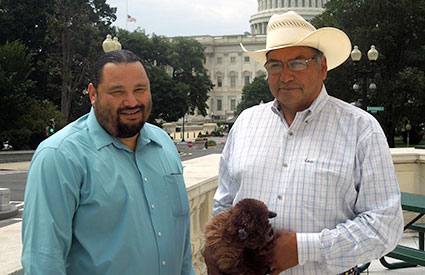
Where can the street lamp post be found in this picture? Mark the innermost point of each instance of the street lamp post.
(408, 128)
(110, 44)
(183, 128)
(364, 74)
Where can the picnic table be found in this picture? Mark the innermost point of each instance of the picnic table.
(410, 257)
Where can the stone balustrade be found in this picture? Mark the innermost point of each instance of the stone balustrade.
(201, 176)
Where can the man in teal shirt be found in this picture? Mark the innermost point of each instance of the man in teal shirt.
(106, 195)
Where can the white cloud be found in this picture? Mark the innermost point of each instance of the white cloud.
(187, 17)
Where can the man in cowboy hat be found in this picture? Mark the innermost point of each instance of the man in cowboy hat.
(321, 164)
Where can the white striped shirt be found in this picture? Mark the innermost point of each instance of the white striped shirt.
(329, 177)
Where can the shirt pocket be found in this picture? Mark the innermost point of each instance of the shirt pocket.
(177, 194)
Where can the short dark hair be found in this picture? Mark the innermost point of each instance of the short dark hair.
(115, 57)
(318, 54)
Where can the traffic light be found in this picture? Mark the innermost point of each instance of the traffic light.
(51, 126)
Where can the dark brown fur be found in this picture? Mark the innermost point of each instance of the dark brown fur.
(239, 240)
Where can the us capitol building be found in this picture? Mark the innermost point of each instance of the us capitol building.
(230, 69)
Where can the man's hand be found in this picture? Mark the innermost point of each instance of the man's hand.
(285, 252)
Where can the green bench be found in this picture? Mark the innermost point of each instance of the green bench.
(420, 227)
(411, 257)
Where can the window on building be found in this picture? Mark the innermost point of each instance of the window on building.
(232, 59)
(233, 81)
(289, 3)
(232, 104)
(309, 3)
(219, 60)
(246, 59)
(219, 81)
(219, 105)
(246, 80)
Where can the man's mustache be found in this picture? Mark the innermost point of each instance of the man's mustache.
(136, 108)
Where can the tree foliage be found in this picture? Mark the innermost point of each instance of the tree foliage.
(254, 93)
(396, 29)
(179, 80)
(76, 29)
(23, 117)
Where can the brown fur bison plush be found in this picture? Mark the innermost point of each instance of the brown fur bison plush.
(239, 240)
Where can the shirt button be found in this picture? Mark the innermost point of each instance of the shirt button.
(285, 164)
(153, 206)
(279, 197)
(163, 263)
(145, 179)
(290, 133)
(159, 234)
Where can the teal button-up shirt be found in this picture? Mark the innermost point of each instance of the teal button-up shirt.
(92, 206)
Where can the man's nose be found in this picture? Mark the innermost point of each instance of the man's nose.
(286, 74)
(130, 100)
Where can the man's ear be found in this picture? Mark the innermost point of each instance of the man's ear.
(324, 68)
(92, 94)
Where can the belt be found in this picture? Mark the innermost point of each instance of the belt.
(351, 271)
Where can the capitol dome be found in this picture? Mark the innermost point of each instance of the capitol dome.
(266, 8)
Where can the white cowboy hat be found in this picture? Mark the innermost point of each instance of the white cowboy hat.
(290, 29)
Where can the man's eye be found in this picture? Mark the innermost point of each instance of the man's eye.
(296, 64)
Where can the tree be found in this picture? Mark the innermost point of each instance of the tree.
(179, 81)
(76, 29)
(187, 62)
(168, 98)
(15, 70)
(396, 29)
(254, 93)
(22, 117)
(25, 20)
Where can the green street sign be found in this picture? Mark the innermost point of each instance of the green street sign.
(375, 109)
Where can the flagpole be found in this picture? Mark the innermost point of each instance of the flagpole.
(126, 14)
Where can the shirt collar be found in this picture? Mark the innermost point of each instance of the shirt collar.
(311, 111)
(102, 138)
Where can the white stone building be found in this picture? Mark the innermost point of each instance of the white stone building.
(230, 69)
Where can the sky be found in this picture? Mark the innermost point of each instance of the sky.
(186, 17)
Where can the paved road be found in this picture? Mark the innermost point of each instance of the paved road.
(196, 153)
(16, 180)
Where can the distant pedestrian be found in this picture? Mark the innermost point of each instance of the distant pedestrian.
(106, 195)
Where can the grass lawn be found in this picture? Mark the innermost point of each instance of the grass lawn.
(398, 142)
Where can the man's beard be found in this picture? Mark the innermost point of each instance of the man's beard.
(114, 126)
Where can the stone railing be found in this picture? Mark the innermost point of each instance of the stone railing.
(200, 175)
(409, 164)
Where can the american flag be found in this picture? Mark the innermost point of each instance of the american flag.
(130, 18)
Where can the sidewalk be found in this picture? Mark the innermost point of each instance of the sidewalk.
(15, 166)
